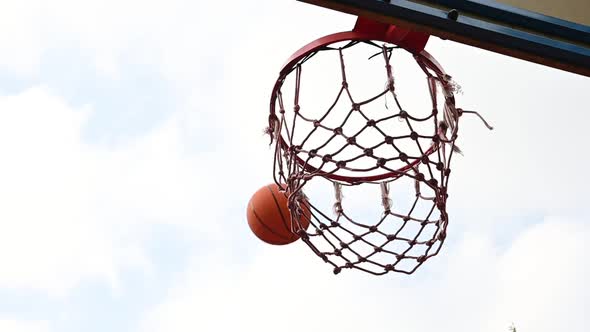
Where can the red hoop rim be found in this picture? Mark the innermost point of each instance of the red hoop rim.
(316, 45)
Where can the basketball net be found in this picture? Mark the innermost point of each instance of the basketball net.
(415, 156)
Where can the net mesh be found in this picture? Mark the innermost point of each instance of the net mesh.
(376, 145)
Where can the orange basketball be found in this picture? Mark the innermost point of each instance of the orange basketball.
(269, 217)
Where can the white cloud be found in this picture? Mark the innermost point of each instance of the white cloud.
(177, 37)
(20, 39)
(543, 278)
(538, 283)
(73, 211)
(23, 326)
(47, 228)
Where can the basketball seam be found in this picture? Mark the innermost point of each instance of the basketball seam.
(265, 225)
(280, 211)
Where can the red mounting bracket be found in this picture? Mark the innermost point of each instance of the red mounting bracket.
(412, 41)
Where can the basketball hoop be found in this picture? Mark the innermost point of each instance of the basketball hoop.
(415, 152)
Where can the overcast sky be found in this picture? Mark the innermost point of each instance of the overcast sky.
(131, 137)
